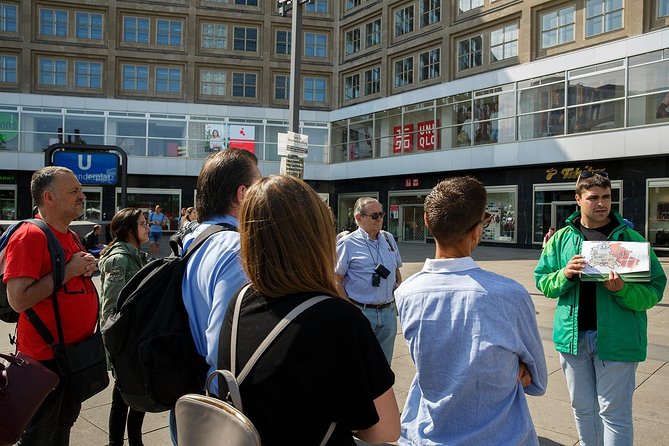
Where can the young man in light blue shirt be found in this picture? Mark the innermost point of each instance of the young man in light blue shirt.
(472, 335)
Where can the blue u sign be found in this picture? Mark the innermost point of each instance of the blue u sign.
(90, 167)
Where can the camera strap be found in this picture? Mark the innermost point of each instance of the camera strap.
(378, 253)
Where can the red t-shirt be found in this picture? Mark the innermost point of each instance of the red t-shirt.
(27, 255)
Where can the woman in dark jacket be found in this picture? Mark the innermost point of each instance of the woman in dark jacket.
(118, 263)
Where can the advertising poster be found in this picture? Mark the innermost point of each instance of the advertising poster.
(403, 138)
(216, 136)
(243, 137)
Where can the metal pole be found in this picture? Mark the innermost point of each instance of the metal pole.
(295, 81)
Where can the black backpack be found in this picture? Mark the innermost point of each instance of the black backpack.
(7, 313)
(148, 337)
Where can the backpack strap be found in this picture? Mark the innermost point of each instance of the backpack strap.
(209, 231)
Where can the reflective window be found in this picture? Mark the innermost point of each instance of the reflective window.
(351, 87)
(166, 137)
(168, 80)
(135, 78)
(501, 203)
(245, 39)
(88, 74)
(504, 43)
(244, 85)
(128, 133)
(470, 52)
(52, 22)
(52, 72)
(352, 3)
(7, 202)
(430, 12)
(658, 212)
(135, 30)
(40, 130)
(373, 80)
(320, 6)
(314, 89)
(212, 82)
(8, 68)
(404, 72)
(373, 33)
(282, 87)
(403, 21)
(557, 27)
(8, 18)
(466, 5)
(662, 8)
(603, 16)
(214, 35)
(494, 112)
(168, 32)
(454, 117)
(352, 39)
(596, 101)
(315, 45)
(9, 131)
(89, 25)
(429, 64)
(283, 42)
(649, 90)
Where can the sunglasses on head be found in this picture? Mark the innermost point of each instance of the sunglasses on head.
(375, 215)
(588, 174)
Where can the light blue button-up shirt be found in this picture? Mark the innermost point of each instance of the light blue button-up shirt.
(467, 329)
(357, 256)
(213, 275)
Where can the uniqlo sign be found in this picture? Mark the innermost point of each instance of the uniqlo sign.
(403, 140)
(427, 137)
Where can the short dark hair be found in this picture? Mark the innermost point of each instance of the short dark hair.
(595, 180)
(42, 180)
(221, 175)
(453, 207)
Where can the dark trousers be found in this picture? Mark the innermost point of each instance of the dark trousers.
(54, 419)
(118, 416)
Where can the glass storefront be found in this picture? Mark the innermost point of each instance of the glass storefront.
(7, 202)
(406, 212)
(502, 204)
(346, 202)
(93, 204)
(658, 212)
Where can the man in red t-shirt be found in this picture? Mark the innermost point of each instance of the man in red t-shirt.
(59, 197)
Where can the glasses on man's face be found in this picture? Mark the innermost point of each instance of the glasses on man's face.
(487, 219)
(588, 174)
(375, 215)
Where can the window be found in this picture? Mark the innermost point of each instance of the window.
(602, 16)
(373, 81)
(557, 27)
(8, 18)
(315, 45)
(429, 64)
(212, 82)
(662, 8)
(470, 52)
(89, 25)
(135, 77)
(504, 43)
(373, 33)
(466, 5)
(53, 22)
(314, 89)
(353, 41)
(352, 87)
(88, 74)
(214, 35)
(430, 12)
(135, 30)
(247, 2)
(8, 68)
(53, 72)
(403, 21)
(168, 32)
(404, 72)
(350, 4)
(246, 39)
(282, 87)
(283, 42)
(317, 6)
(168, 80)
(244, 85)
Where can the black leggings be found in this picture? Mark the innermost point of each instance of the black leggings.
(119, 413)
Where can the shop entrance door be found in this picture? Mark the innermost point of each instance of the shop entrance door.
(560, 210)
(411, 222)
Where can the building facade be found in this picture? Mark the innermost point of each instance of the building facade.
(394, 97)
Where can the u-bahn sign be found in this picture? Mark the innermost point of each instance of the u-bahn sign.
(90, 167)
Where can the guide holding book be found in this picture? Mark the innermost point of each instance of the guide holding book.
(599, 327)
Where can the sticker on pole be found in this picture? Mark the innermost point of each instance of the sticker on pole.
(292, 143)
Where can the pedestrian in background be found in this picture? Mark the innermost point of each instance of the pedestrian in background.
(119, 262)
(368, 271)
(326, 366)
(156, 223)
(548, 236)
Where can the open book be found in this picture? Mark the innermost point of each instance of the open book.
(629, 259)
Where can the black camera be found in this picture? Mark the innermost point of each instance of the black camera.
(382, 271)
(376, 280)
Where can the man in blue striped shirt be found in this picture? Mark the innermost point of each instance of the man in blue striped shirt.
(472, 335)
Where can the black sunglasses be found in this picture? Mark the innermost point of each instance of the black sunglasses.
(588, 174)
(487, 219)
(375, 215)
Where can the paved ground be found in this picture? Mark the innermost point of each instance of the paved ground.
(551, 413)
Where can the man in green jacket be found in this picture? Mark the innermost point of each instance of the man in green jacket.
(599, 327)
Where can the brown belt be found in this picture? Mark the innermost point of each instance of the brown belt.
(372, 306)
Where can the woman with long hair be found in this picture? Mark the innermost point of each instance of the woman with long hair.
(326, 366)
(190, 216)
(119, 261)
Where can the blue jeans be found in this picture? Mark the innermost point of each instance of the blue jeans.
(601, 394)
(54, 419)
(384, 325)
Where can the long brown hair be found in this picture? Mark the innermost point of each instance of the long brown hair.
(123, 226)
(287, 238)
